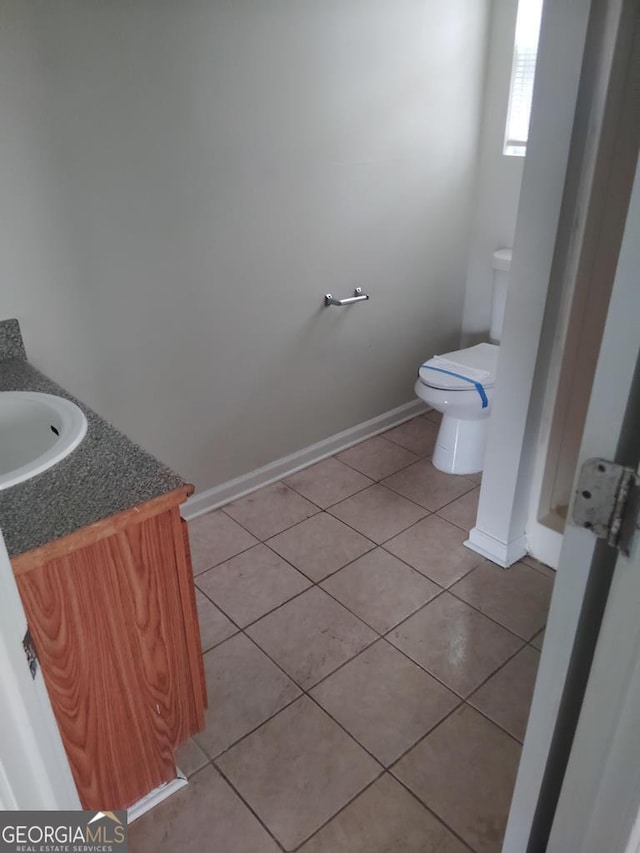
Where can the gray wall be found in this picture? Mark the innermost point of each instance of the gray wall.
(499, 177)
(181, 182)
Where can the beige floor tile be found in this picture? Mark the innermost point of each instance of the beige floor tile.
(206, 815)
(380, 589)
(462, 511)
(328, 482)
(214, 625)
(384, 700)
(384, 819)
(536, 564)
(320, 545)
(190, 758)
(214, 538)
(506, 697)
(427, 486)
(434, 417)
(251, 584)
(270, 510)
(377, 458)
(435, 547)
(417, 435)
(378, 513)
(464, 771)
(517, 597)
(460, 646)
(298, 770)
(538, 640)
(476, 478)
(311, 636)
(244, 689)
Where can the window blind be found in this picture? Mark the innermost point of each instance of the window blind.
(522, 76)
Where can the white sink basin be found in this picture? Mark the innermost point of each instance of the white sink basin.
(36, 432)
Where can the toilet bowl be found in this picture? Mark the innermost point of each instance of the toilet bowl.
(460, 385)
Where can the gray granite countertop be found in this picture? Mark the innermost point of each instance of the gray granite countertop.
(106, 474)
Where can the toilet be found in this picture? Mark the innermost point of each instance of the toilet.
(460, 385)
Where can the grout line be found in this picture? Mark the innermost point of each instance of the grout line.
(393, 444)
(267, 612)
(495, 722)
(346, 497)
(223, 509)
(426, 514)
(340, 810)
(431, 511)
(346, 731)
(306, 690)
(495, 672)
(463, 701)
(472, 606)
(381, 634)
(423, 571)
(248, 734)
(431, 812)
(248, 805)
(241, 551)
(465, 529)
(475, 607)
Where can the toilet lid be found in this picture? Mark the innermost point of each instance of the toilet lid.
(477, 364)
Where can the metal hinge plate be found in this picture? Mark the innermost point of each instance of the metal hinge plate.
(607, 502)
(30, 652)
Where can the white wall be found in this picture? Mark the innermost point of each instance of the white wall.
(181, 182)
(495, 207)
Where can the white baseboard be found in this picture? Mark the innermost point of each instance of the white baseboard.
(212, 498)
(155, 797)
(505, 554)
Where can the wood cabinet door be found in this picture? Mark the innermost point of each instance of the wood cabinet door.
(118, 657)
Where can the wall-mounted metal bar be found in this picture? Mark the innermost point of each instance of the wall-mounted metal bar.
(358, 296)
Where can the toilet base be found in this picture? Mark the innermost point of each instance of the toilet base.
(460, 445)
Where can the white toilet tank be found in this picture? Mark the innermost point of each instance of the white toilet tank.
(501, 269)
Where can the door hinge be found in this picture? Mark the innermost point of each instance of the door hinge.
(607, 502)
(30, 652)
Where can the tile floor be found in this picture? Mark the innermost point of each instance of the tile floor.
(369, 678)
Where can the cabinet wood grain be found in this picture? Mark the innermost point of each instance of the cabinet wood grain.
(115, 627)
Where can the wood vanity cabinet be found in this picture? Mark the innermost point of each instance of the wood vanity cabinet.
(111, 609)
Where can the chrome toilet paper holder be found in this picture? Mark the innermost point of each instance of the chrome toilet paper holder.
(358, 296)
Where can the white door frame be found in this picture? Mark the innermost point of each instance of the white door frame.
(34, 771)
(600, 798)
(578, 128)
(582, 585)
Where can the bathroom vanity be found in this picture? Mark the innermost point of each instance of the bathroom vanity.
(100, 554)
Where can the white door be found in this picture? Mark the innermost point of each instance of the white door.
(578, 785)
(34, 772)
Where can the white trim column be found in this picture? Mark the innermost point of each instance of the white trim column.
(500, 530)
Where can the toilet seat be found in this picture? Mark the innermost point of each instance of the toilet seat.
(462, 370)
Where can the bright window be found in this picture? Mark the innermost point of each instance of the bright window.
(522, 74)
